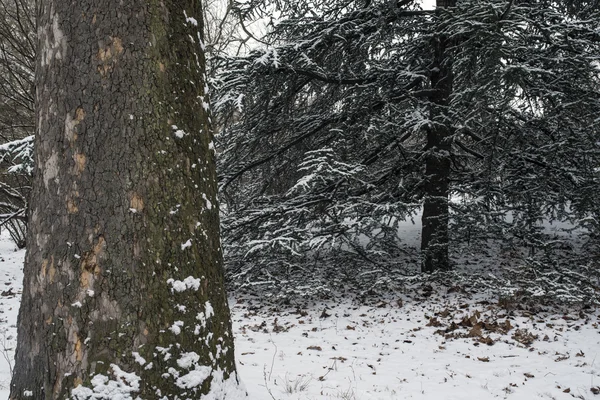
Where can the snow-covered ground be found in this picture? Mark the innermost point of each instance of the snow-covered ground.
(421, 345)
(409, 351)
(11, 283)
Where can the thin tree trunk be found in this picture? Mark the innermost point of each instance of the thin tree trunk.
(434, 240)
(123, 284)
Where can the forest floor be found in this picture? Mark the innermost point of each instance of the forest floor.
(431, 343)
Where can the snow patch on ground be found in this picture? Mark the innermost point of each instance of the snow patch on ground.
(391, 351)
(408, 346)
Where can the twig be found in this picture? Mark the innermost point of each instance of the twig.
(266, 383)
(321, 378)
(5, 354)
(273, 361)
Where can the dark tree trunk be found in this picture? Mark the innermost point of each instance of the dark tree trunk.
(123, 272)
(434, 240)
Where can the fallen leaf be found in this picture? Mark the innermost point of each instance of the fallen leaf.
(475, 331)
(487, 340)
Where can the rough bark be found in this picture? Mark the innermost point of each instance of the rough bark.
(434, 240)
(123, 272)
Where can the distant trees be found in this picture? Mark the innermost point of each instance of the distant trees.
(123, 281)
(17, 64)
(353, 115)
(17, 61)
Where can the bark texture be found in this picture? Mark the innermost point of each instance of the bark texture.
(123, 282)
(434, 240)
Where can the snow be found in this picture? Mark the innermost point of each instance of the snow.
(186, 244)
(188, 283)
(16, 143)
(196, 376)
(388, 351)
(193, 378)
(408, 345)
(180, 134)
(208, 309)
(208, 203)
(165, 352)
(188, 360)
(176, 327)
(229, 389)
(138, 359)
(121, 387)
(11, 276)
(190, 20)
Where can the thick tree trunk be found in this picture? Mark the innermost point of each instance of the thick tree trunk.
(434, 239)
(123, 288)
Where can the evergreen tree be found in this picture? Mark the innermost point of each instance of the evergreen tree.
(354, 114)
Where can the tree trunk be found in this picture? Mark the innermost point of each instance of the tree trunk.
(434, 240)
(123, 289)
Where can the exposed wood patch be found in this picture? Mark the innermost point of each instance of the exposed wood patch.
(79, 114)
(72, 207)
(136, 202)
(117, 44)
(52, 270)
(44, 267)
(108, 55)
(80, 161)
(78, 347)
(71, 123)
(50, 170)
(90, 268)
